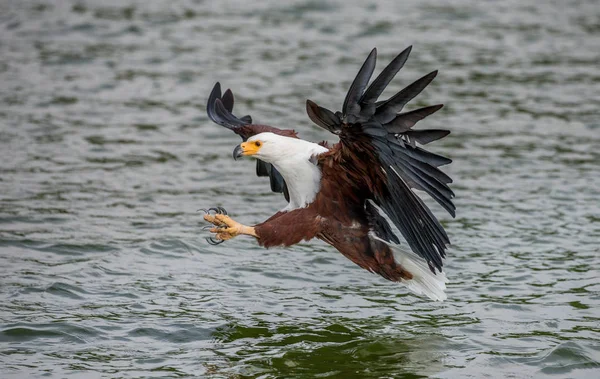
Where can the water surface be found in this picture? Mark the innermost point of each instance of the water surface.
(106, 154)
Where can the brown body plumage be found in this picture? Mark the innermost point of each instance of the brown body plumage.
(337, 216)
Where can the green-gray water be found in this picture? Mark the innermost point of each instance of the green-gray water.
(106, 153)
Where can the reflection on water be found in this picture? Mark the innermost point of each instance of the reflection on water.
(107, 154)
(332, 349)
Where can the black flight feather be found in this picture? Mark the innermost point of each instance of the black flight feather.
(227, 100)
(426, 136)
(262, 168)
(351, 107)
(387, 111)
(405, 121)
(323, 117)
(378, 224)
(385, 77)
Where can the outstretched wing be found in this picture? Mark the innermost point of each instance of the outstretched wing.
(220, 108)
(368, 127)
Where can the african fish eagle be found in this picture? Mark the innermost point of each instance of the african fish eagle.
(338, 193)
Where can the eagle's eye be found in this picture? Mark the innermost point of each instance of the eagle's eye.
(257, 143)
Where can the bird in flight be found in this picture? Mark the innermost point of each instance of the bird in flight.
(339, 193)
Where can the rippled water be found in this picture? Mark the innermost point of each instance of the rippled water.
(107, 153)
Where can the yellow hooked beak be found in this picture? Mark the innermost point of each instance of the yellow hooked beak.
(246, 148)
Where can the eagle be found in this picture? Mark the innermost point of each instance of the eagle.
(340, 193)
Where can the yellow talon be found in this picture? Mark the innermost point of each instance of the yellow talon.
(226, 228)
(213, 220)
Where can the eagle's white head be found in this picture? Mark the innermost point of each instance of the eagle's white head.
(292, 157)
(273, 148)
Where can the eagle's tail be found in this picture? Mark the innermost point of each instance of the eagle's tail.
(424, 282)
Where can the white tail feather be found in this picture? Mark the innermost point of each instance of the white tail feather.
(424, 282)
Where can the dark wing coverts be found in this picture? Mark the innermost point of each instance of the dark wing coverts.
(394, 142)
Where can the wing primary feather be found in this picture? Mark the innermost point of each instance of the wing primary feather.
(422, 231)
(412, 234)
(386, 112)
(426, 136)
(210, 104)
(405, 121)
(323, 117)
(277, 181)
(229, 120)
(262, 168)
(379, 224)
(227, 100)
(417, 153)
(435, 227)
(438, 191)
(351, 107)
(431, 170)
(286, 192)
(385, 77)
(439, 160)
(219, 109)
(436, 177)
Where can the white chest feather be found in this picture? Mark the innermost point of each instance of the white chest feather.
(293, 158)
(303, 180)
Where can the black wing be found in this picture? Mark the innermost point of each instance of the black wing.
(379, 224)
(219, 109)
(394, 143)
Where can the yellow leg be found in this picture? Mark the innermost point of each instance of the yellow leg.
(226, 228)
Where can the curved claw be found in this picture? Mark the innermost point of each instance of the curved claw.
(217, 210)
(213, 241)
